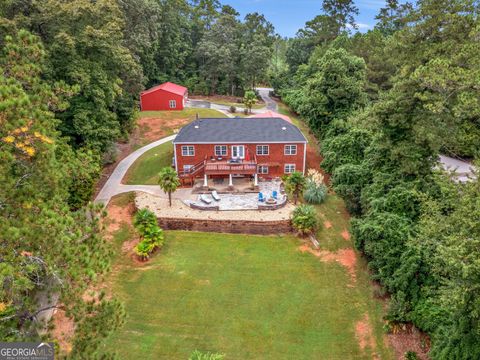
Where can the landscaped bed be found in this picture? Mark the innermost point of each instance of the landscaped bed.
(248, 297)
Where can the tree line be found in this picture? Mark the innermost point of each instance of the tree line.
(70, 77)
(385, 104)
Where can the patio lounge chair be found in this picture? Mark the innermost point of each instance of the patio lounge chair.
(260, 197)
(215, 196)
(204, 198)
(275, 194)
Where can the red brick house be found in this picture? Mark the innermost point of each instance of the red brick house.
(167, 96)
(266, 147)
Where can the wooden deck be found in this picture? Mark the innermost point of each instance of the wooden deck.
(226, 168)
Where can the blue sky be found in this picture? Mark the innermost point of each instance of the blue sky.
(290, 15)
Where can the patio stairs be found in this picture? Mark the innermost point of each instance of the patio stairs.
(188, 176)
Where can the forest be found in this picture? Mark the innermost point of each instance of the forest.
(384, 105)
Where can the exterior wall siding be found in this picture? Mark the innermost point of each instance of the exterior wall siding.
(275, 160)
(160, 100)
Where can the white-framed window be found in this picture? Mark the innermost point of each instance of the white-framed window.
(290, 150)
(289, 168)
(262, 149)
(173, 104)
(187, 168)
(221, 150)
(188, 150)
(238, 151)
(262, 169)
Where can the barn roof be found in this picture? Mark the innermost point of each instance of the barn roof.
(239, 130)
(168, 86)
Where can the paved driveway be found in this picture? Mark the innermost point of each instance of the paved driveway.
(265, 95)
(114, 186)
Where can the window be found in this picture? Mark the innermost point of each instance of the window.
(220, 150)
(238, 152)
(262, 149)
(289, 168)
(187, 168)
(173, 104)
(188, 150)
(262, 169)
(290, 149)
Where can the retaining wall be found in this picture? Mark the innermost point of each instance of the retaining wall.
(227, 226)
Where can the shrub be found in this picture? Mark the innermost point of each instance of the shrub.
(198, 355)
(233, 109)
(411, 355)
(295, 184)
(111, 154)
(305, 219)
(146, 223)
(143, 219)
(315, 189)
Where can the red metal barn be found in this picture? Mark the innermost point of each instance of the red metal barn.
(167, 96)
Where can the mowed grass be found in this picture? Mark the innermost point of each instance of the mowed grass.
(185, 113)
(145, 169)
(248, 297)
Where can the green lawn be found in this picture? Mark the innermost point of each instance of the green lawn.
(185, 113)
(248, 297)
(145, 169)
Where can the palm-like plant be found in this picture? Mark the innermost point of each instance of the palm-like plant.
(295, 183)
(168, 181)
(143, 218)
(143, 249)
(249, 99)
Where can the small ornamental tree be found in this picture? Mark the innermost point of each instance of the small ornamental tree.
(295, 184)
(249, 99)
(305, 219)
(168, 181)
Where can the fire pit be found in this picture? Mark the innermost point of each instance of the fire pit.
(271, 201)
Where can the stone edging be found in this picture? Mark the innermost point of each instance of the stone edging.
(227, 226)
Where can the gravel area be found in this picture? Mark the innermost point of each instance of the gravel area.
(179, 210)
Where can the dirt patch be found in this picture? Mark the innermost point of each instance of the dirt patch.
(117, 215)
(346, 235)
(327, 224)
(408, 338)
(364, 334)
(345, 257)
(154, 128)
(63, 330)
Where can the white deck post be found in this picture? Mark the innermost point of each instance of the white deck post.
(205, 180)
(230, 180)
(255, 181)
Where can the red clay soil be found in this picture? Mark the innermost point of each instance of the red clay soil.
(345, 257)
(327, 224)
(153, 128)
(364, 334)
(346, 235)
(118, 215)
(63, 330)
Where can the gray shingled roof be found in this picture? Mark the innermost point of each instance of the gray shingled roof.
(245, 130)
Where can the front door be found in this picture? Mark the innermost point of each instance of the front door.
(238, 151)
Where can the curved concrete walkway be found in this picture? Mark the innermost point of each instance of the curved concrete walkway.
(114, 185)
